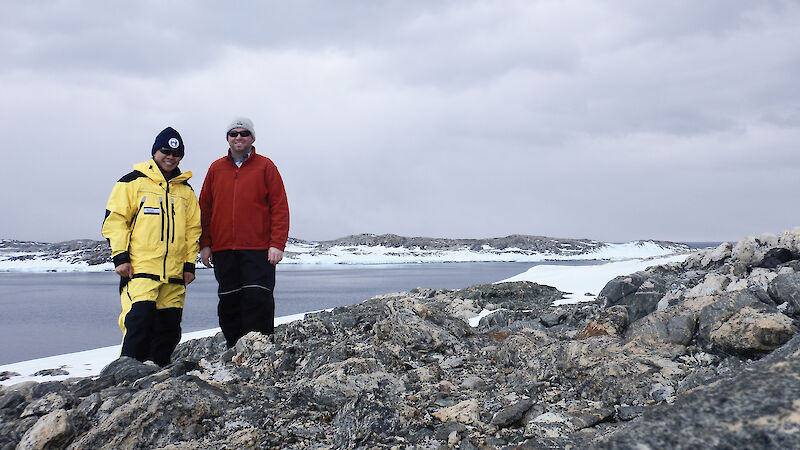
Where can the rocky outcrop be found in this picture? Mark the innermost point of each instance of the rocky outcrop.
(758, 408)
(698, 354)
(732, 300)
(540, 244)
(98, 252)
(513, 243)
(90, 251)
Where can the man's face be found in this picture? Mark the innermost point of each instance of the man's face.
(240, 144)
(168, 163)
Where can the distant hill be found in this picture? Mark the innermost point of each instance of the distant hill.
(362, 249)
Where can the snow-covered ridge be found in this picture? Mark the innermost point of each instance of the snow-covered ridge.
(93, 256)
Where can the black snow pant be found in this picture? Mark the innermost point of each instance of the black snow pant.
(246, 281)
(151, 319)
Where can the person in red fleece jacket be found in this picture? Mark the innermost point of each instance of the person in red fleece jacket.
(245, 219)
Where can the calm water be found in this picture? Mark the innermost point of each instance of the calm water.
(54, 313)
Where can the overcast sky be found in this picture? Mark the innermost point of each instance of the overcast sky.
(613, 120)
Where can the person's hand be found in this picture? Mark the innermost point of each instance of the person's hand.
(124, 270)
(188, 277)
(205, 257)
(274, 255)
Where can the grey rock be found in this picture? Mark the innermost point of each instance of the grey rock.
(114, 397)
(201, 348)
(443, 432)
(47, 387)
(706, 375)
(755, 409)
(675, 326)
(495, 442)
(87, 386)
(743, 323)
(5, 375)
(337, 383)
(173, 370)
(53, 430)
(626, 413)
(90, 405)
(639, 292)
(591, 417)
(507, 319)
(51, 372)
(523, 295)
(127, 369)
(716, 255)
(369, 417)
(466, 444)
(660, 393)
(12, 430)
(511, 413)
(611, 321)
(775, 257)
(620, 287)
(167, 412)
(50, 402)
(10, 400)
(793, 265)
(416, 326)
(552, 319)
(785, 288)
(473, 382)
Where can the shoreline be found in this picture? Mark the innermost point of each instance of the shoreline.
(59, 260)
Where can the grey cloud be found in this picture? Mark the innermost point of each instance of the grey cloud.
(620, 120)
(156, 38)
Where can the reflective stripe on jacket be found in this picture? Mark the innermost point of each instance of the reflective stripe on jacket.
(153, 224)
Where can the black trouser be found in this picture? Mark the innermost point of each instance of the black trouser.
(246, 281)
(151, 333)
(151, 319)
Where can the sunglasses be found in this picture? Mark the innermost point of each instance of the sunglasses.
(244, 133)
(171, 151)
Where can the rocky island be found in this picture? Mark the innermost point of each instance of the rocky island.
(698, 354)
(87, 254)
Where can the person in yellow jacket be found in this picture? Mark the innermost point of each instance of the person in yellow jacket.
(153, 225)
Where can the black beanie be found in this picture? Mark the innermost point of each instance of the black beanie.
(168, 138)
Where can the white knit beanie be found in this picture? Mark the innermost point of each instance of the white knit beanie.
(242, 122)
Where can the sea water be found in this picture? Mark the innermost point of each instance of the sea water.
(45, 314)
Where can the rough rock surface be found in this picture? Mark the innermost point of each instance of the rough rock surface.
(758, 408)
(707, 357)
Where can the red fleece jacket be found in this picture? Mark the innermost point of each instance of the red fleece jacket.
(244, 208)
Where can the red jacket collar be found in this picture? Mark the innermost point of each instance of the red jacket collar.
(249, 157)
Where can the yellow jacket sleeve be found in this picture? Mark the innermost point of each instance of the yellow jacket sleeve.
(120, 210)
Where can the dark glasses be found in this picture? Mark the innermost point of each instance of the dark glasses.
(244, 133)
(171, 151)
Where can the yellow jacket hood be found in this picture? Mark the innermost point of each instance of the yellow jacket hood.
(151, 170)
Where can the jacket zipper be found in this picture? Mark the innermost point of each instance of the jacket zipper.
(172, 206)
(166, 250)
(233, 211)
(133, 222)
(163, 213)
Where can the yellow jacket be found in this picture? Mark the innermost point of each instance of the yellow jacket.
(153, 223)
